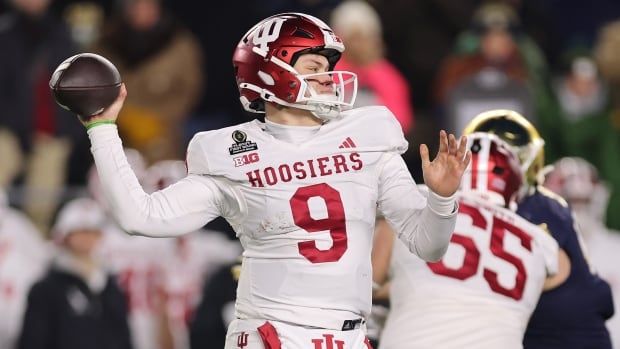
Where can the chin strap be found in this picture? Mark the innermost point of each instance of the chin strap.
(97, 123)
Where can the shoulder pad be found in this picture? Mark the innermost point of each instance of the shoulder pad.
(196, 158)
(543, 206)
(203, 149)
(551, 195)
(380, 125)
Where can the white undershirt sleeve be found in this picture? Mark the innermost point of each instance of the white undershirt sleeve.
(424, 225)
(181, 208)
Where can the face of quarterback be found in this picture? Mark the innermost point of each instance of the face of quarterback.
(315, 64)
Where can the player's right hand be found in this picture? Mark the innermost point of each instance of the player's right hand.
(109, 114)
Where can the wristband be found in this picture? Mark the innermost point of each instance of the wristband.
(97, 123)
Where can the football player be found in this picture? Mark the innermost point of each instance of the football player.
(483, 291)
(301, 189)
(77, 303)
(573, 314)
(188, 262)
(137, 263)
(24, 256)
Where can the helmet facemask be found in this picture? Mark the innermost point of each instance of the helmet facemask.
(528, 154)
(327, 105)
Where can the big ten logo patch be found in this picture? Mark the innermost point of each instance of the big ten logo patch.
(246, 159)
(242, 340)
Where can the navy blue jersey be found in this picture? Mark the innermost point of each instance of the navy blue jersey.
(573, 314)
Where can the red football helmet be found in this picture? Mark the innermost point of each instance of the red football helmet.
(494, 171)
(264, 59)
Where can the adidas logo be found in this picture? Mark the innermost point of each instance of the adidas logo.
(347, 143)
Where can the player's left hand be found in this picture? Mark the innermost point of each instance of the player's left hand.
(443, 174)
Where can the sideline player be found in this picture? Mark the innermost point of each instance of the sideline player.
(301, 189)
(138, 265)
(187, 264)
(24, 257)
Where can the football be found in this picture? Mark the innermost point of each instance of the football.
(85, 84)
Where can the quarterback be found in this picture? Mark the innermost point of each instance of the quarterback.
(301, 189)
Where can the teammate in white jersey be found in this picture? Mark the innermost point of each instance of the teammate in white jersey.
(24, 256)
(483, 291)
(137, 263)
(301, 189)
(188, 262)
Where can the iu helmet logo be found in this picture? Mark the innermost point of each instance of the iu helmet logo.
(267, 33)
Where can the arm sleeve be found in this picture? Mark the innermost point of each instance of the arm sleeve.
(424, 225)
(181, 208)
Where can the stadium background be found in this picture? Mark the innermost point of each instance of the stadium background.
(431, 55)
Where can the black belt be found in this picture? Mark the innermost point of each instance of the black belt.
(348, 325)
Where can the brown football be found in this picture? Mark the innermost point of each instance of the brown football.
(85, 84)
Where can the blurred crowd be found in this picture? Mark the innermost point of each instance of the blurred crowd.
(434, 63)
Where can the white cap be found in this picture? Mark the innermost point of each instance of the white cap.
(78, 214)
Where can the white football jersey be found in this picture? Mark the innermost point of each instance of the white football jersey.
(481, 293)
(309, 217)
(187, 265)
(24, 257)
(304, 213)
(137, 263)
